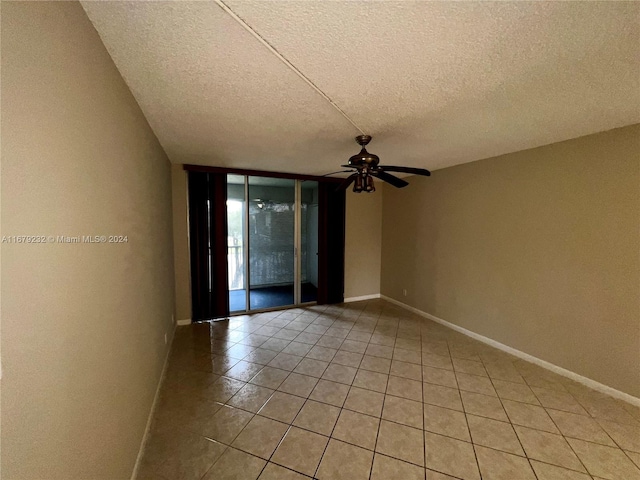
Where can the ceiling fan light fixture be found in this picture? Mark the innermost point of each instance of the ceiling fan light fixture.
(358, 185)
(369, 186)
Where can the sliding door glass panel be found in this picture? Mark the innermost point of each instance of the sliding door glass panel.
(271, 242)
(309, 242)
(236, 248)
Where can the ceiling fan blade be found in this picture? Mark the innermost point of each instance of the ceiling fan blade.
(339, 171)
(347, 181)
(413, 171)
(393, 180)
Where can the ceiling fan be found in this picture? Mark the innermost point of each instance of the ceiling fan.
(367, 166)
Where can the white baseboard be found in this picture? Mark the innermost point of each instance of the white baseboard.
(183, 322)
(362, 297)
(136, 467)
(525, 356)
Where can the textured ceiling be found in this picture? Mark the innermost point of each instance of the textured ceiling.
(435, 83)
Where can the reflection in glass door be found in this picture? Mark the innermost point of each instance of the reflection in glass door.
(236, 244)
(272, 228)
(271, 242)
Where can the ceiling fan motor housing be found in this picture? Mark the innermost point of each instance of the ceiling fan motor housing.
(364, 158)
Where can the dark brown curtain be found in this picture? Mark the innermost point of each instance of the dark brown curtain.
(208, 241)
(331, 213)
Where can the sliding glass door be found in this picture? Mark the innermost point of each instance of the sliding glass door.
(236, 242)
(272, 272)
(308, 241)
(272, 226)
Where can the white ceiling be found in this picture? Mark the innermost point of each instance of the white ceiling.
(435, 83)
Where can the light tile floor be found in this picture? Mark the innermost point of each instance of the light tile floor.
(370, 391)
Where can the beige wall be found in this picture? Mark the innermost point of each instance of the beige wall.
(536, 249)
(181, 243)
(363, 243)
(83, 324)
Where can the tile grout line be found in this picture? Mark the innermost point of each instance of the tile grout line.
(370, 328)
(339, 414)
(271, 395)
(586, 441)
(424, 420)
(510, 423)
(428, 431)
(255, 414)
(298, 413)
(545, 409)
(537, 429)
(384, 399)
(464, 410)
(565, 440)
